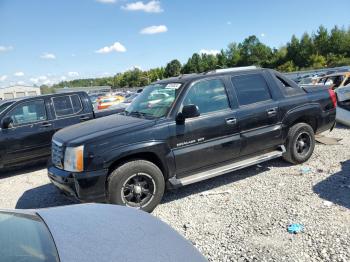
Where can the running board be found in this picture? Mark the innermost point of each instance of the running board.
(177, 182)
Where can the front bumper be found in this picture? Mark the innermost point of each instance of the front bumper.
(86, 186)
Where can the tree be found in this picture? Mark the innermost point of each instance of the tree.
(173, 68)
(306, 50)
(253, 52)
(317, 61)
(287, 67)
(321, 41)
(233, 55)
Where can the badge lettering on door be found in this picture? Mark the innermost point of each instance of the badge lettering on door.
(185, 143)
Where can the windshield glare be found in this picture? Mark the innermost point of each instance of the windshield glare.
(155, 100)
(25, 238)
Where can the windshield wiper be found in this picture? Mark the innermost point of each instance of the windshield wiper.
(139, 114)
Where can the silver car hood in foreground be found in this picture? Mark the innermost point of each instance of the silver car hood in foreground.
(101, 232)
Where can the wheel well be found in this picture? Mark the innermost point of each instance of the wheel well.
(151, 157)
(308, 120)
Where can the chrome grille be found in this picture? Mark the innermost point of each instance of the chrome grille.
(57, 154)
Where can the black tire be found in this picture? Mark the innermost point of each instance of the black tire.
(139, 184)
(300, 143)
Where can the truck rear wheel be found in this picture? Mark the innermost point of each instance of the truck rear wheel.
(139, 184)
(300, 143)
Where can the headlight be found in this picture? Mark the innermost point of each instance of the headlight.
(74, 159)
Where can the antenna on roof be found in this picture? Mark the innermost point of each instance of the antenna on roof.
(231, 69)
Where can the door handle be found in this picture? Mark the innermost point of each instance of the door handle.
(46, 125)
(231, 121)
(272, 112)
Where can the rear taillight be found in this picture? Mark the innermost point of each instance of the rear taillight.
(333, 97)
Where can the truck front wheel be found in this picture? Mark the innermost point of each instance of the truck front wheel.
(139, 184)
(300, 143)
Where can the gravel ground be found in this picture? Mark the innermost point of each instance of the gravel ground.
(243, 216)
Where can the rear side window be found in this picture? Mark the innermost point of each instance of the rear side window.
(251, 89)
(67, 105)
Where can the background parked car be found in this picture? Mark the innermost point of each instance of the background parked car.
(27, 124)
(90, 232)
(123, 105)
(107, 101)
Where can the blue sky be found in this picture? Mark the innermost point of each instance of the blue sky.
(45, 41)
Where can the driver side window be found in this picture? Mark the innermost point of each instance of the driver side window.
(28, 112)
(208, 95)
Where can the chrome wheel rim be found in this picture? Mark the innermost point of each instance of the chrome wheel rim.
(303, 144)
(138, 190)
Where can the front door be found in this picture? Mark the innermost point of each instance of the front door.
(29, 136)
(211, 138)
(258, 114)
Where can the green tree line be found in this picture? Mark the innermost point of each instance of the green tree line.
(323, 48)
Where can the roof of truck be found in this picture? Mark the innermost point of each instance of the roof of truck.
(190, 77)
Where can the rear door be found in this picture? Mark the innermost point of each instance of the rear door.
(258, 113)
(209, 139)
(70, 109)
(30, 134)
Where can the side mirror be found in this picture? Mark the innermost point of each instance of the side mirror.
(188, 111)
(6, 122)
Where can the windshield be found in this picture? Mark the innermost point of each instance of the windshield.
(25, 238)
(4, 105)
(155, 101)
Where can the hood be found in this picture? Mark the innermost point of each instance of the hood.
(101, 232)
(101, 127)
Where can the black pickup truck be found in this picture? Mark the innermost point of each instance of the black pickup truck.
(28, 124)
(186, 129)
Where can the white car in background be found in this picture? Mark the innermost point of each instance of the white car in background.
(343, 107)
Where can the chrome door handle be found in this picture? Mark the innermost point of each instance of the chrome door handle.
(272, 112)
(231, 121)
(46, 125)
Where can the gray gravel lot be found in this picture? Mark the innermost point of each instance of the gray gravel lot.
(242, 216)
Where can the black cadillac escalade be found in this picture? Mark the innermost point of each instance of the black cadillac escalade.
(189, 128)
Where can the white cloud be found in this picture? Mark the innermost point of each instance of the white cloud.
(151, 7)
(3, 78)
(116, 47)
(21, 83)
(73, 74)
(155, 29)
(262, 35)
(209, 52)
(18, 74)
(107, 1)
(42, 78)
(5, 48)
(48, 56)
(63, 78)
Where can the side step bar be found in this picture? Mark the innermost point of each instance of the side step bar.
(178, 182)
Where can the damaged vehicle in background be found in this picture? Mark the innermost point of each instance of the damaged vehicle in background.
(343, 106)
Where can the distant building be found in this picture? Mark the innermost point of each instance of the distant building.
(89, 89)
(18, 91)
